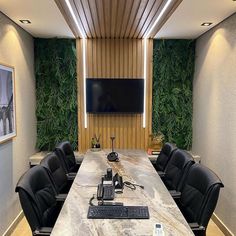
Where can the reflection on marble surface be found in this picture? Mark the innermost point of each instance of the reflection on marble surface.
(134, 166)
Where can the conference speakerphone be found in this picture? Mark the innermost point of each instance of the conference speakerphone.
(118, 212)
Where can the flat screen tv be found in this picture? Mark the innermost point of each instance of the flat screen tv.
(114, 95)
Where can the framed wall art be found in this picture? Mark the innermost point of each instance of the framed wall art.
(7, 103)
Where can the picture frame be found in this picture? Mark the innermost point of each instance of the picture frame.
(7, 103)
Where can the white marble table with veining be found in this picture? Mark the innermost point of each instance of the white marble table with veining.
(134, 166)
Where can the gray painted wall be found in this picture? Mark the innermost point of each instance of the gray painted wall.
(214, 111)
(16, 49)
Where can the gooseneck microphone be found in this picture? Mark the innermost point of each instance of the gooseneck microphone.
(112, 156)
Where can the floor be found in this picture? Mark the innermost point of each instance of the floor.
(23, 229)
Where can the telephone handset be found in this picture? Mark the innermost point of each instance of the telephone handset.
(100, 192)
(106, 190)
(118, 182)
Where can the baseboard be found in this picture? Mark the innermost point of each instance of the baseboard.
(13, 225)
(221, 225)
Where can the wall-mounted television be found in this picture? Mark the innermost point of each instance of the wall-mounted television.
(114, 95)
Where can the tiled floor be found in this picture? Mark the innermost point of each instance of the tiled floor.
(23, 229)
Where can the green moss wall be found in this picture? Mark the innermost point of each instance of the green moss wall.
(173, 69)
(56, 92)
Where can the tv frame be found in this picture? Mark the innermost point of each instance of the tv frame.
(115, 112)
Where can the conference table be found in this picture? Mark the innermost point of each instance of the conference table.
(134, 166)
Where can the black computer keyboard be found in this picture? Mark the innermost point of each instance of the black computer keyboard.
(118, 212)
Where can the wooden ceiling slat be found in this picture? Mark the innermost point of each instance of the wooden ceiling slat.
(132, 16)
(87, 13)
(144, 17)
(150, 18)
(138, 17)
(99, 4)
(128, 9)
(107, 16)
(119, 19)
(114, 11)
(81, 14)
(94, 16)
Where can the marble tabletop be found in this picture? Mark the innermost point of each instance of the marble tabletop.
(135, 167)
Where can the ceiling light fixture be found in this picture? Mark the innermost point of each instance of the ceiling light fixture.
(206, 24)
(25, 22)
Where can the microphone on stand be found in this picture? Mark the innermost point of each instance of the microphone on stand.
(112, 156)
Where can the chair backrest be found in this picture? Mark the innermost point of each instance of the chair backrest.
(54, 167)
(37, 197)
(177, 169)
(164, 156)
(65, 152)
(200, 194)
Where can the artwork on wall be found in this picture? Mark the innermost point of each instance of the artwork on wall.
(7, 103)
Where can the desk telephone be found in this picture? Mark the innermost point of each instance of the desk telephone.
(108, 186)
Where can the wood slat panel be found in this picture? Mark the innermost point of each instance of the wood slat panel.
(89, 19)
(82, 17)
(144, 17)
(115, 18)
(114, 58)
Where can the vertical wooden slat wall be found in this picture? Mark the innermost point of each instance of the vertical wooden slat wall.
(115, 58)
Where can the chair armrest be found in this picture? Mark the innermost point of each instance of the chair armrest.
(175, 194)
(161, 174)
(196, 227)
(71, 176)
(43, 231)
(61, 197)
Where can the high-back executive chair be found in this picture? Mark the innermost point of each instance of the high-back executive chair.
(199, 197)
(55, 170)
(177, 169)
(164, 157)
(38, 200)
(65, 152)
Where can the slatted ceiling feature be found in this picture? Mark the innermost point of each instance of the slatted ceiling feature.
(125, 20)
(144, 17)
(87, 12)
(115, 18)
(152, 15)
(117, 58)
(93, 8)
(132, 14)
(119, 17)
(82, 17)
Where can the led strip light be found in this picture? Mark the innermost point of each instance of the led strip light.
(145, 58)
(84, 58)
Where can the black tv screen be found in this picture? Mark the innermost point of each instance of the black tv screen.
(114, 95)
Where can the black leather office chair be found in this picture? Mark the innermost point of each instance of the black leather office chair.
(199, 197)
(164, 157)
(54, 167)
(65, 152)
(38, 200)
(177, 169)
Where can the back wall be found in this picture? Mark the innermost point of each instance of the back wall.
(115, 58)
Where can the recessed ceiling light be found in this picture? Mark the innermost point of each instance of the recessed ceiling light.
(25, 21)
(206, 24)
